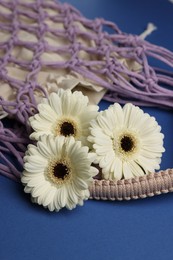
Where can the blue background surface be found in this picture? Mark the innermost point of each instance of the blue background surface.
(140, 229)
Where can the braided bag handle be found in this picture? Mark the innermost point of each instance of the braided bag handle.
(135, 188)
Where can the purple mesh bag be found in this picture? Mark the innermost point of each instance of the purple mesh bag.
(102, 65)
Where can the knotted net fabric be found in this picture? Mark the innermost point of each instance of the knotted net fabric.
(41, 37)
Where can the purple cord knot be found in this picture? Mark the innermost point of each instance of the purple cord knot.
(1, 127)
(97, 24)
(139, 50)
(35, 65)
(65, 8)
(151, 82)
(74, 62)
(43, 29)
(104, 49)
(3, 72)
(112, 65)
(134, 40)
(75, 48)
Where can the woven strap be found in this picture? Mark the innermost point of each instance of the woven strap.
(139, 187)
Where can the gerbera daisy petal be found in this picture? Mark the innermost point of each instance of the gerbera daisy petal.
(62, 197)
(46, 112)
(49, 197)
(136, 169)
(94, 171)
(150, 163)
(28, 189)
(118, 114)
(118, 169)
(43, 149)
(72, 198)
(127, 171)
(56, 199)
(129, 111)
(147, 154)
(33, 168)
(38, 190)
(61, 175)
(81, 184)
(55, 103)
(33, 182)
(122, 137)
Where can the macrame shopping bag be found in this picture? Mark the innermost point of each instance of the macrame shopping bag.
(45, 44)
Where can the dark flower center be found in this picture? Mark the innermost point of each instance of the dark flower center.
(60, 171)
(127, 143)
(67, 129)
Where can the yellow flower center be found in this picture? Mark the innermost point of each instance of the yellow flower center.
(67, 127)
(59, 171)
(126, 145)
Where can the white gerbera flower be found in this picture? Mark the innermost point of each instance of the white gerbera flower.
(64, 113)
(58, 172)
(127, 142)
